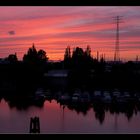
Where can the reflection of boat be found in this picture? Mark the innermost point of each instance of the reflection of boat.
(126, 95)
(96, 95)
(48, 94)
(39, 98)
(106, 93)
(137, 96)
(76, 97)
(39, 95)
(65, 98)
(107, 99)
(57, 95)
(39, 91)
(116, 93)
(85, 98)
(121, 100)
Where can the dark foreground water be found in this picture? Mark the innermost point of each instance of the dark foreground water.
(58, 119)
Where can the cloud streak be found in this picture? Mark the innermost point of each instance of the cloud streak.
(53, 28)
(11, 32)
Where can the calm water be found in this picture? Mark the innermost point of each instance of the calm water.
(56, 119)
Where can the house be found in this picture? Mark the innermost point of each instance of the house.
(57, 78)
(57, 73)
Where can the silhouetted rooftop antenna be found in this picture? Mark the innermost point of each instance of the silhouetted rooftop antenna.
(97, 56)
(137, 58)
(104, 56)
(117, 53)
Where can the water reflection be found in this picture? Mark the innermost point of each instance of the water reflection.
(99, 112)
(23, 103)
(100, 102)
(56, 117)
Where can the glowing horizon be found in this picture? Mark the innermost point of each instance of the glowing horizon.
(53, 28)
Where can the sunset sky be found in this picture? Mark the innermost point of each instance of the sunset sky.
(53, 28)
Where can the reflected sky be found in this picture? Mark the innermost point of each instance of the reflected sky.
(56, 119)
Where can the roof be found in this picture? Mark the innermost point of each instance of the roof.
(57, 73)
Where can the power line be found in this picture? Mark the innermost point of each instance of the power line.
(117, 43)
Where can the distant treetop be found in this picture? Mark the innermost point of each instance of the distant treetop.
(33, 56)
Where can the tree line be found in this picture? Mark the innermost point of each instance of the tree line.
(76, 59)
(83, 68)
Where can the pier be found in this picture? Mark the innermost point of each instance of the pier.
(34, 125)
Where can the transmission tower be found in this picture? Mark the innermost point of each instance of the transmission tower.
(117, 53)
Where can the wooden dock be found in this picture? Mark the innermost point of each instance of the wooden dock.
(34, 125)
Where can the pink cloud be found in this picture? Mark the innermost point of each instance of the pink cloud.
(53, 28)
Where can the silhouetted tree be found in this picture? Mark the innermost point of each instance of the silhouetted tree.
(88, 51)
(102, 59)
(80, 66)
(77, 53)
(99, 112)
(78, 57)
(67, 54)
(31, 56)
(12, 58)
(88, 60)
(67, 58)
(42, 56)
(34, 57)
(82, 59)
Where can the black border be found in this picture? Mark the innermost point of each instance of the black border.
(69, 2)
(70, 136)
